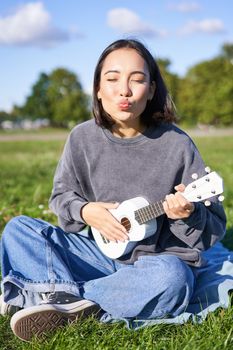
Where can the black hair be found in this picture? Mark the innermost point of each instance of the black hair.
(159, 108)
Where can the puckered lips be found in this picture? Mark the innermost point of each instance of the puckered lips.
(124, 105)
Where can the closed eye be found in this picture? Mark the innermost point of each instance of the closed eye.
(140, 81)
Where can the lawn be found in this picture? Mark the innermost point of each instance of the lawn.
(26, 174)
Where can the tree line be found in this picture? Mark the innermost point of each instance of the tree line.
(203, 95)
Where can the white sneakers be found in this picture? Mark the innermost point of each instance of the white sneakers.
(56, 310)
(38, 320)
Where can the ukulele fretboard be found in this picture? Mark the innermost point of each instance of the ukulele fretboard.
(149, 212)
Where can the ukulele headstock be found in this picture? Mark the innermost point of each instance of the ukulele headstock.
(204, 188)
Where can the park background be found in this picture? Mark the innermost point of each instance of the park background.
(48, 52)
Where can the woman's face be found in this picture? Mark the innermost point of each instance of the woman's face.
(125, 85)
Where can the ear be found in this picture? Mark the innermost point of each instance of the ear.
(99, 95)
(151, 90)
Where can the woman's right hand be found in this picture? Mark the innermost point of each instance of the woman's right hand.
(97, 215)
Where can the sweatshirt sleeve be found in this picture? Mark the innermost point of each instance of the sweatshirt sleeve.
(207, 224)
(67, 199)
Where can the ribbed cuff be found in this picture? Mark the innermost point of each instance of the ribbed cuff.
(75, 210)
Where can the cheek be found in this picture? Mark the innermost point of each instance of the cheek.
(106, 93)
(143, 96)
(141, 105)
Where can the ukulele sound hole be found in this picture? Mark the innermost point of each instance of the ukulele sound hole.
(126, 223)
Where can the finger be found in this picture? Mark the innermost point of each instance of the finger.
(186, 207)
(184, 203)
(108, 217)
(117, 224)
(180, 187)
(115, 227)
(168, 210)
(165, 206)
(120, 227)
(189, 208)
(171, 201)
(114, 234)
(181, 199)
(174, 208)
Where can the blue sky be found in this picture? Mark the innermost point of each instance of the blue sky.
(39, 36)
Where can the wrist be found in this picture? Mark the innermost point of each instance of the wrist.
(83, 211)
(75, 210)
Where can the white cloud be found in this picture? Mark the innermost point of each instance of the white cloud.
(209, 26)
(30, 25)
(185, 7)
(126, 21)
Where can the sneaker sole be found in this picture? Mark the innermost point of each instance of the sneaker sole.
(36, 321)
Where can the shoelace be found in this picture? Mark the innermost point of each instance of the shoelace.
(58, 298)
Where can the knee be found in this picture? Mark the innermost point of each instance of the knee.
(170, 272)
(170, 286)
(21, 225)
(13, 225)
(177, 274)
(11, 233)
(15, 231)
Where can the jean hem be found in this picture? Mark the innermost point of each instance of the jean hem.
(12, 285)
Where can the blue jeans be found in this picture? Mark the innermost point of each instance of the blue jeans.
(38, 257)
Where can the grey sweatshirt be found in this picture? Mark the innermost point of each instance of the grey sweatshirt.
(97, 166)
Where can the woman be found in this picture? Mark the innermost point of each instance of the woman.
(131, 148)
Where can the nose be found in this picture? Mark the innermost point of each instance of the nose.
(125, 90)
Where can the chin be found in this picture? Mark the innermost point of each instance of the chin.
(124, 117)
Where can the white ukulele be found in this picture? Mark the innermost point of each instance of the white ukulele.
(139, 217)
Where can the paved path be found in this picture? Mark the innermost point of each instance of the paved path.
(53, 136)
(62, 135)
(210, 132)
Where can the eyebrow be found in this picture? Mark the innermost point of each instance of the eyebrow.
(117, 71)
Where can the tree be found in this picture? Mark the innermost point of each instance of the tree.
(227, 51)
(205, 94)
(68, 101)
(4, 116)
(37, 104)
(58, 97)
(171, 80)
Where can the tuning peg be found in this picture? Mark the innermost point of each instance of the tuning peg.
(221, 198)
(207, 203)
(194, 176)
(207, 169)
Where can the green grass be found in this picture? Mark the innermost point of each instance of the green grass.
(26, 174)
(217, 153)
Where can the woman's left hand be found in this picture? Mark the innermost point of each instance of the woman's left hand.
(176, 206)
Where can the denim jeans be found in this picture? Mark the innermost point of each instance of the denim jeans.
(38, 257)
